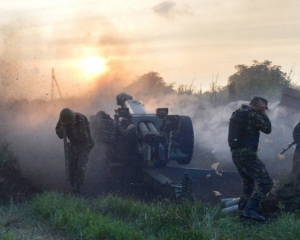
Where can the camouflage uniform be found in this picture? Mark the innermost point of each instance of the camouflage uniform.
(118, 139)
(296, 157)
(256, 180)
(105, 134)
(105, 128)
(81, 144)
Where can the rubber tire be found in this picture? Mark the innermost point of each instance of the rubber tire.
(186, 138)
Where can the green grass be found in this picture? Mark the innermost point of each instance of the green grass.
(18, 222)
(112, 217)
(52, 215)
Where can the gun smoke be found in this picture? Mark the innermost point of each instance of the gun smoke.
(29, 127)
(28, 121)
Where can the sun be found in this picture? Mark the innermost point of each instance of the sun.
(92, 66)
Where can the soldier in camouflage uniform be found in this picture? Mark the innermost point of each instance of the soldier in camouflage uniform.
(296, 157)
(119, 139)
(81, 144)
(105, 134)
(243, 138)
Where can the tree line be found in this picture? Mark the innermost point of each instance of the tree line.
(259, 79)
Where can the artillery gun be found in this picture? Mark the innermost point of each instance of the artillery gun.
(136, 138)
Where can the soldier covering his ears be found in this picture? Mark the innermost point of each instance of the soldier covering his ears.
(77, 130)
(243, 139)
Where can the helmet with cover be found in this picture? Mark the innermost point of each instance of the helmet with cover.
(67, 116)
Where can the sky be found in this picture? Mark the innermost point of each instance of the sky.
(192, 42)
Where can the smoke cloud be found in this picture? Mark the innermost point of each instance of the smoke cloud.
(29, 127)
(28, 114)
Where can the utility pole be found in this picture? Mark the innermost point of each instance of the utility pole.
(52, 85)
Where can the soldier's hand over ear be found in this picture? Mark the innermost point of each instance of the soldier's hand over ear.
(261, 107)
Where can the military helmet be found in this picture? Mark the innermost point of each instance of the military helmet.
(67, 116)
(256, 99)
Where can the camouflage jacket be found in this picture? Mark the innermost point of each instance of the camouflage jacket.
(296, 134)
(79, 135)
(250, 127)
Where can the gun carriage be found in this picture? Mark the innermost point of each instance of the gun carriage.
(138, 138)
(144, 141)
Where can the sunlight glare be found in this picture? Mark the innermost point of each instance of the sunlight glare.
(93, 65)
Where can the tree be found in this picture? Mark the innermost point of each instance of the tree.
(150, 84)
(185, 89)
(260, 79)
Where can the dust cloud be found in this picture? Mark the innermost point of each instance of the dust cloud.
(30, 50)
(29, 127)
(29, 116)
(211, 132)
(29, 101)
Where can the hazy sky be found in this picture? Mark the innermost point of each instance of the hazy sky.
(184, 41)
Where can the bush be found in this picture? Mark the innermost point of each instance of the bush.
(12, 185)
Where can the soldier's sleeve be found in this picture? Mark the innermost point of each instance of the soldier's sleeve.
(59, 131)
(261, 122)
(296, 134)
(81, 131)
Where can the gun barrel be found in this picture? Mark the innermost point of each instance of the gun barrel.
(152, 128)
(149, 132)
(135, 107)
(143, 128)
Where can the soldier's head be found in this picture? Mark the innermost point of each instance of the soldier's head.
(124, 122)
(255, 100)
(67, 116)
(102, 114)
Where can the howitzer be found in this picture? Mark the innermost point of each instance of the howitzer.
(66, 149)
(145, 139)
(289, 146)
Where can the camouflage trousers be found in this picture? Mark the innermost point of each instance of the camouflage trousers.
(296, 163)
(256, 180)
(77, 168)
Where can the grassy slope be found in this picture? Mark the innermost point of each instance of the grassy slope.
(54, 216)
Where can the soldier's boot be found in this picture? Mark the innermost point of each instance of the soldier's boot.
(250, 211)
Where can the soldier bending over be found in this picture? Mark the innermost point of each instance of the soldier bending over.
(81, 143)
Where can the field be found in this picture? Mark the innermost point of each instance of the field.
(53, 215)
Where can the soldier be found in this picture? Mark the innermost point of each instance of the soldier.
(243, 138)
(105, 134)
(81, 143)
(296, 157)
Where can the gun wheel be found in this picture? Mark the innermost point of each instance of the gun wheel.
(186, 139)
